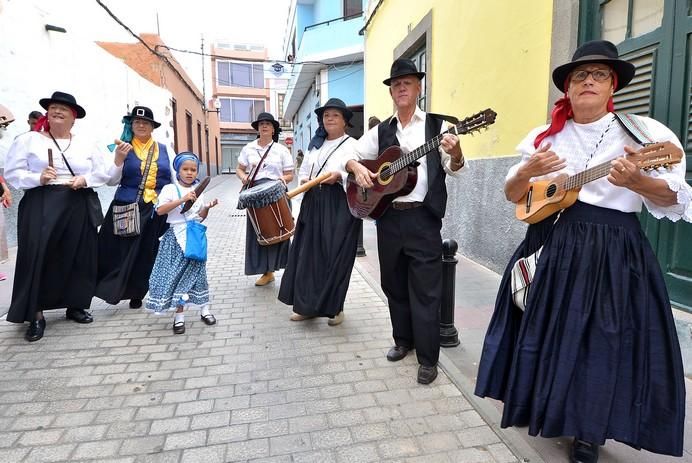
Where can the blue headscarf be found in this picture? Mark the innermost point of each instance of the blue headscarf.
(180, 158)
(127, 132)
(319, 138)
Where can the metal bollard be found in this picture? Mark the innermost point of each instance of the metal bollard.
(449, 336)
(360, 250)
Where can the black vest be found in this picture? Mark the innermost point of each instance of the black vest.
(436, 197)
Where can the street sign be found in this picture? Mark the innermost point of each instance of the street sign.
(289, 141)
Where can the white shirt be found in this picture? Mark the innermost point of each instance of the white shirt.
(314, 161)
(28, 156)
(410, 137)
(579, 145)
(175, 218)
(277, 162)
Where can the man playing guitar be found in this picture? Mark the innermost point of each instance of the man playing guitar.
(408, 232)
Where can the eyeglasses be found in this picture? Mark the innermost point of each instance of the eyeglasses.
(599, 75)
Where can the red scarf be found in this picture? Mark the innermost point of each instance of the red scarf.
(563, 111)
(42, 124)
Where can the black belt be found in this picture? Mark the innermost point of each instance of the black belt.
(402, 206)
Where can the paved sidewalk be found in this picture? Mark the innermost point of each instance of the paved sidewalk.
(476, 289)
(255, 387)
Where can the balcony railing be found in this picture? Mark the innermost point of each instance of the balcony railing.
(342, 18)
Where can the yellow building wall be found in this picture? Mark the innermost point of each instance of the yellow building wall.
(485, 54)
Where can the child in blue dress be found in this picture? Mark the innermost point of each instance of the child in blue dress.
(177, 280)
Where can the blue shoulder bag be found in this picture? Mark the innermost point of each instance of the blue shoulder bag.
(195, 238)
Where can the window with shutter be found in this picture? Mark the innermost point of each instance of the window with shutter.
(636, 97)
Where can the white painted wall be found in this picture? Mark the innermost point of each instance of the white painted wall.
(36, 62)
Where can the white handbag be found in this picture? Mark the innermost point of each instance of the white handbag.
(522, 276)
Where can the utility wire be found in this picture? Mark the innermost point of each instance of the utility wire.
(163, 57)
(167, 61)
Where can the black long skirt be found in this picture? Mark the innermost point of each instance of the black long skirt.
(322, 254)
(261, 259)
(501, 337)
(125, 264)
(56, 254)
(597, 354)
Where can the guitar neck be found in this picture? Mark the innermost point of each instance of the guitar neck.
(470, 124)
(589, 175)
(421, 151)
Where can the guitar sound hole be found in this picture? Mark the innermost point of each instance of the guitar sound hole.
(551, 190)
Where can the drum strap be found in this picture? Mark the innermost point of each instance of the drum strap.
(328, 156)
(257, 168)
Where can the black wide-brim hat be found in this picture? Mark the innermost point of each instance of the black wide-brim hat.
(595, 51)
(335, 103)
(144, 113)
(266, 117)
(403, 67)
(63, 98)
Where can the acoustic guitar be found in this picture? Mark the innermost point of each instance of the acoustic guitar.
(544, 198)
(396, 176)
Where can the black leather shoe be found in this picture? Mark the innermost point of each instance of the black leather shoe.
(426, 375)
(179, 327)
(135, 303)
(397, 353)
(209, 319)
(79, 315)
(35, 331)
(583, 452)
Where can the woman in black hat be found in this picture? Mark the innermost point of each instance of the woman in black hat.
(324, 245)
(125, 263)
(260, 161)
(58, 216)
(595, 354)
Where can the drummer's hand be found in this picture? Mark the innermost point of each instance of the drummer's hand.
(212, 203)
(48, 174)
(303, 180)
(332, 179)
(361, 174)
(78, 182)
(190, 196)
(245, 179)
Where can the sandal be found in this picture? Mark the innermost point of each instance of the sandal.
(179, 327)
(209, 319)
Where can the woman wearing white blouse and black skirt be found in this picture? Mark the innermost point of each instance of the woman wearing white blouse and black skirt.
(324, 245)
(252, 168)
(58, 216)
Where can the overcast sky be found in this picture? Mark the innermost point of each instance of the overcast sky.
(182, 23)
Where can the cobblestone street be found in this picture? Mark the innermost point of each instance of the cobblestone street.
(255, 387)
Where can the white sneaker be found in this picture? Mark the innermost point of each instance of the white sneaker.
(337, 320)
(296, 317)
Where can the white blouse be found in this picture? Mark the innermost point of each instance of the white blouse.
(175, 218)
(579, 145)
(325, 159)
(28, 156)
(277, 162)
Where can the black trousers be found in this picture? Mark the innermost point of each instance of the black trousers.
(410, 253)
